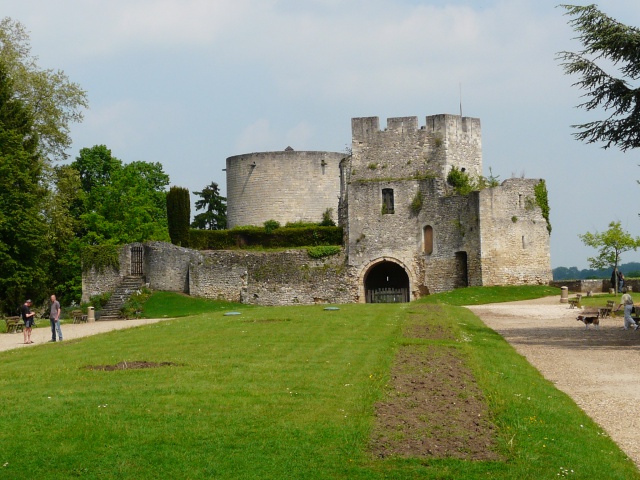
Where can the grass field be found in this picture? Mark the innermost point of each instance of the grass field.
(274, 393)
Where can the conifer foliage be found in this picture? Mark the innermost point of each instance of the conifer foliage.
(609, 46)
(178, 215)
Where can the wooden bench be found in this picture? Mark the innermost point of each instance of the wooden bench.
(604, 312)
(14, 324)
(78, 316)
(575, 302)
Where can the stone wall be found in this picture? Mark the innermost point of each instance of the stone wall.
(282, 278)
(594, 285)
(166, 266)
(400, 236)
(286, 186)
(514, 235)
(278, 278)
(96, 282)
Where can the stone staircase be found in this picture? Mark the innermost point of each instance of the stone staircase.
(128, 286)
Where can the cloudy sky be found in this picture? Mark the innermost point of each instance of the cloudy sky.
(188, 83)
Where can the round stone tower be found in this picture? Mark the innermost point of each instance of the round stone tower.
(287, 186)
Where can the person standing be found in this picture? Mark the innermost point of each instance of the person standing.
(54, 319)
(627, 302)
(28, 319)
(620, 281)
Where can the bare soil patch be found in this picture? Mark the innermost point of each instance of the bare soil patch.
(434, 408)
(124, 365)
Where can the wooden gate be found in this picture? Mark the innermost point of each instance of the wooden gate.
(388, 295)
(136, 260)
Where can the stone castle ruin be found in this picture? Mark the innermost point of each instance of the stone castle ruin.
(406, 232)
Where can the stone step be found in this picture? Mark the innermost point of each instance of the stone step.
(127, 287)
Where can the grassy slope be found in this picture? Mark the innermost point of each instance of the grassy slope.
(283, 392)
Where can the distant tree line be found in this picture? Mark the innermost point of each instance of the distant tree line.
(630, 270)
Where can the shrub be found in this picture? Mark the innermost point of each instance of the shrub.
(133, 306)
(327, 218)
(460, 181)
(542, 200)
(416, 203)
(271, 225)
(97, 301)
(100, 257)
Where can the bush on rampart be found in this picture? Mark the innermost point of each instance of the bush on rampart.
(100, 257)
(248, 237)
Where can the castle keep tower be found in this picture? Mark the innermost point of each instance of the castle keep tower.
(408, 234)
(285, 186)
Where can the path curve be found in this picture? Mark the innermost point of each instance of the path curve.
(42, 334)
(597, 368)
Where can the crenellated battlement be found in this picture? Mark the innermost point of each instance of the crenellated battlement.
(444, 141)
(446, 124)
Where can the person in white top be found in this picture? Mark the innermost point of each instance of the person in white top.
(627, 302)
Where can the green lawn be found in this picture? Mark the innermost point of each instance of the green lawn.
(273, 393)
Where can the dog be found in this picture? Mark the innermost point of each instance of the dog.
(588, 320)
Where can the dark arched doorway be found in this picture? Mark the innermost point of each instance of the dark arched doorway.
(386, 282)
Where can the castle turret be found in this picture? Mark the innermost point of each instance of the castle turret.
(411, 151)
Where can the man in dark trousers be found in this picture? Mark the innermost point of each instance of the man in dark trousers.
(54, 319)
(28, 319)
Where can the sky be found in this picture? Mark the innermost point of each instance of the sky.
(188, 83)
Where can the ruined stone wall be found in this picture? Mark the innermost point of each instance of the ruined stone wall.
(166, 266)
(286, 186)
(279, 278)
(514, 235)
(96, 282)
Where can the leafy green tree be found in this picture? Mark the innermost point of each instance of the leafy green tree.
(24, 250)
(612, 45)
(53, 100)
(63, 228)
(121, 203)
(610, 244)
(178, 215)
(214, 205)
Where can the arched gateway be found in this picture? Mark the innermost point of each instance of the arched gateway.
(386, 282)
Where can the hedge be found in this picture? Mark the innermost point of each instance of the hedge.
(248, 237)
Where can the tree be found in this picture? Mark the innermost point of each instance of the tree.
(178, 215)
(121, 203)
(24, 250)
(62, 202)
(53, 100)
(610, 245)
(215, 206)
(617, 46)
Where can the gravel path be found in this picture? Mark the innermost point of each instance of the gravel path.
(42, 334)
(597, 368)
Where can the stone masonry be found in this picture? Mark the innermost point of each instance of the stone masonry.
(407, 234)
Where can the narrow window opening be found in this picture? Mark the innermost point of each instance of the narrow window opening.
(387, 200)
